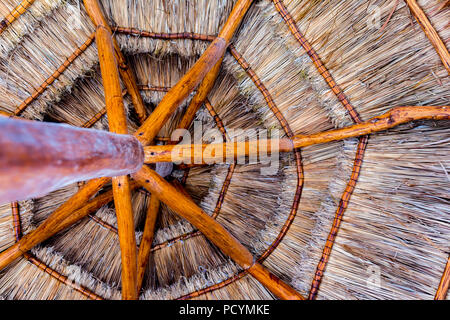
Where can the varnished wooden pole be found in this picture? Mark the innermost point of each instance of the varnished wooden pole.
(213, 153)
(52, 224)
(95, 13)
(209, 59)
(121, 185)
(217, 234)
(430, 32)
(147, 238)
(199, 98)
(15, 14)
(148, 131)
(37, 158)
(62, 218)
(234, 20)
(442, 290)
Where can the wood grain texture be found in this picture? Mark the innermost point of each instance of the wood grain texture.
(95, 13)
(430, 32)
(37, 157)
(121, 185)
(217, 234)
(227, 152)
(53, 223)
(441, 292)
(147, 238)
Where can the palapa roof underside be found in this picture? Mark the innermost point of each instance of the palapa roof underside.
(393, 241)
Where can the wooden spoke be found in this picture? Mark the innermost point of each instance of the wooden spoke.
(147, 238)
(221, 152)
(199, 98)
(442, 290)
(199, 154)
(430, 32)
(209, 59)
(55, 75)
(217, 234)
(146, 133)
(53, 223)
(121, 185)
(95, 13)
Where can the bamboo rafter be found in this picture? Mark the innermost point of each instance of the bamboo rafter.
(54, 76)
(15, 14)
(340, 95)
(343, 204)
(186, 208)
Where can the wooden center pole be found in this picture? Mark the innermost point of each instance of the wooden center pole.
(37, 157)
(147, 132)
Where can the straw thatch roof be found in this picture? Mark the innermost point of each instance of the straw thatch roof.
(393, 242)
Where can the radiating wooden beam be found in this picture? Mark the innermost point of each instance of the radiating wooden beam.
(430, 32)
(95, 13)
(62, 218)
(199, 154)
(15, 14)
(221, 152)
(217, 234)
(37, 158)
(178, 93)
(121, 185)
(53, 223)
(148, 131)
(442, 290)
(234, 20)
(147, 238)
(199, 98)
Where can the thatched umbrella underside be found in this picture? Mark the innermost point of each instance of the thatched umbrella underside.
(393, 242)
